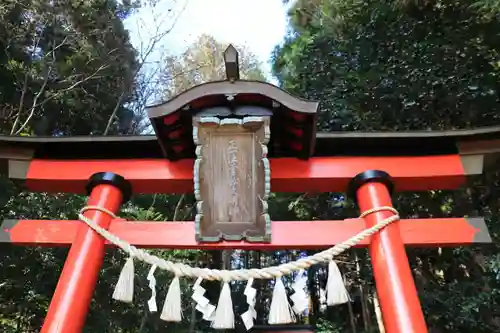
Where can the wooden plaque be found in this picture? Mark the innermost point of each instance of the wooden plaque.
(232, 179)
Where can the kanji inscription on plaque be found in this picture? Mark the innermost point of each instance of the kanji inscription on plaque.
(232, 178)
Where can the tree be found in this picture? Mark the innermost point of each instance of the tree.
(394, 66)
(203, 62)
(62, 62)
(152, 25)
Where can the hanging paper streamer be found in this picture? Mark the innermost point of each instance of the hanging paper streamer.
(250, 315)
(299, 298)
(152, 285)
(336, 292)
(202, 303)
(280, 311)
(124, 289)
(224, 314)
(172, 308)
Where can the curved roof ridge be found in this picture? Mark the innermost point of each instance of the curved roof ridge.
(237, 87)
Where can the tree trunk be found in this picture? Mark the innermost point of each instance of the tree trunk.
(365, 312)
(378, 313)
(314, 296)
(352, 320)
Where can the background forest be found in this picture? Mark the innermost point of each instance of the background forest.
(69, 68)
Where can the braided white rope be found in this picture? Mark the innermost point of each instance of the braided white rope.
(180, 269)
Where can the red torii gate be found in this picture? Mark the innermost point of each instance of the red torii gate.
(366, 165)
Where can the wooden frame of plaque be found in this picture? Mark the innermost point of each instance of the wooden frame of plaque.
(232, 178)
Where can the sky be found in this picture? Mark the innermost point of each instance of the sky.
(258, 24)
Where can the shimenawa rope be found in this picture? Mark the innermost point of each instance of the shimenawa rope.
(180, 269)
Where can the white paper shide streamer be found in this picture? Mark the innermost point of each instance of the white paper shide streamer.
(250, 315)
(172, 308)
(336, 292)
(299, 298)
(202, 303)
(152, 285)
(280, 311)
(224, 314)
(124, 289)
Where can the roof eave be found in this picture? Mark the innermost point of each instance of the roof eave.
(230, 88)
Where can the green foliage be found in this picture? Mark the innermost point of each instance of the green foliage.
(324, 326)
(62, 62)
(375, 66)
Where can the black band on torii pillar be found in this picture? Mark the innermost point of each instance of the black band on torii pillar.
(111, 179)
(369, 176)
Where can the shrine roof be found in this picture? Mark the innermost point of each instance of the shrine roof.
(482, 140)
(206, 95)
(292, 119)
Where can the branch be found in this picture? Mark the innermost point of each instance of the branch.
(158, 36)
(55, 48)
(60, 92)
(36, 42)
(145, 53)
(178, 207)
(21, 103)
(33, 106)
(115, 110)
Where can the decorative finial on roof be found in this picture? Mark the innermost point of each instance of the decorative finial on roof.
(231, 63)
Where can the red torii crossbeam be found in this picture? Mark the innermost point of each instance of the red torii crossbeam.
(444, 232)
(318, 174)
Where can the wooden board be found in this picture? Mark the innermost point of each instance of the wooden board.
(231, 178)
